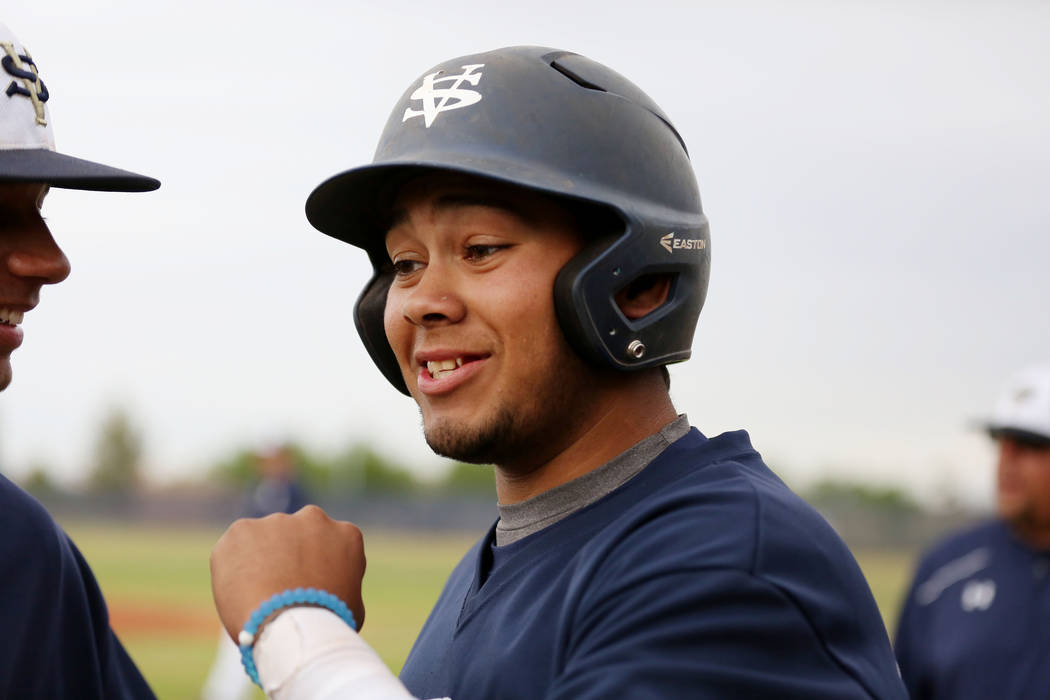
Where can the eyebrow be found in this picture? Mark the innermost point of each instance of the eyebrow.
(449, 201)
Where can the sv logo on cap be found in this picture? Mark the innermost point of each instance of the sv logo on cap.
(22, 68)
(440, 99)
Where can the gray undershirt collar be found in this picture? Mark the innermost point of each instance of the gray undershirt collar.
(519, 520)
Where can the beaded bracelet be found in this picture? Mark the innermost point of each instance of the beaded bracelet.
(298, 596)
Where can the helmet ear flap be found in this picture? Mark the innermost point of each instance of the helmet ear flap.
(368, 317)
(573, 316)
(586, 287)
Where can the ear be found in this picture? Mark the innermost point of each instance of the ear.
(643, 295)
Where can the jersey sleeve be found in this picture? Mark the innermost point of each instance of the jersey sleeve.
(909, 643)
(57, 642)
(120, 677)
(700, 633)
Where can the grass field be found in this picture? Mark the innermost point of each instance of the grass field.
(157, 585)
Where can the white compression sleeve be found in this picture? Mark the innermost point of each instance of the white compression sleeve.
(308, 653)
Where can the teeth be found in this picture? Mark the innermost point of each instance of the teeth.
(10, 317)
(443, 367)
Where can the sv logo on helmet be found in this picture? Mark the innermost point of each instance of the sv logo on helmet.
(437, 99)
(21, 67)
(671, 244)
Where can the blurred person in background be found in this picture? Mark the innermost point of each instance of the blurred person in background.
(276, 491)
(56, 641)
(976, 622)
(539, 256)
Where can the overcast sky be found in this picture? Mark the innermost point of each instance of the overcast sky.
(876, 176)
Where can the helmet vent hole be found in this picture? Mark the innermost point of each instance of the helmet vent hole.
(645, 294)
(579, 80)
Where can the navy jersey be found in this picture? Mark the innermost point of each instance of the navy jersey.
(976, 623)
(275, 495)
(703, 576)
(55, 638)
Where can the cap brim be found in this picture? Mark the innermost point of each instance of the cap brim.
(59, 170)
(351, 206)
(1019, 434)
(348, 206)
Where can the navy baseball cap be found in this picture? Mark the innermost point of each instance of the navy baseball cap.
(27, 142)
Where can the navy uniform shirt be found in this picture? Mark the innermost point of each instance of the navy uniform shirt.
(702, 576)
(55, 638)
(976, 623)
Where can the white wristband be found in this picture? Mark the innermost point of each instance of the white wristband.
(308, 653)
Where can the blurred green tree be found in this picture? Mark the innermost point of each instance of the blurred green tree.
(469, 479)
(38, 481)
(841, 492)
(241, 468)
(237, 469)
(118, 454)
(357, 469)
(361, 468)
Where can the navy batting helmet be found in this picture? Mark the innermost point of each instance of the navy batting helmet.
(564, 125)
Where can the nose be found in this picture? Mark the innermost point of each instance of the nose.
(34, 254)
(433, 300)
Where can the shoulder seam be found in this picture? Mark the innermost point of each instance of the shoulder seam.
(820, 639)
(794, 605)
(756, 501)
(809, 623)
(757, 525)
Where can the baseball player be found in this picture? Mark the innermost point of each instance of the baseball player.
(56, 641)
(277, 491)
(540, 254)
(974, 624)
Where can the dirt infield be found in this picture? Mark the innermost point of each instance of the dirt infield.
(145, 619)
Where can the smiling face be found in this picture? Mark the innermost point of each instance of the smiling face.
(29, 259)
(470, 317)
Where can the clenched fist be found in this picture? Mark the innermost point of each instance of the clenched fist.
(256, 558)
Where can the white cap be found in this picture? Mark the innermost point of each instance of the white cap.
(27, 142)
(1023, 408)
